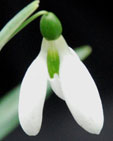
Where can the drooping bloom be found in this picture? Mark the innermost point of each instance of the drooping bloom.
(69, 79)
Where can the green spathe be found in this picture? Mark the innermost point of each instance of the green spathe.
(50, 26)
(16, 22)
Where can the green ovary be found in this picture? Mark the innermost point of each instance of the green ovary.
(53, 61)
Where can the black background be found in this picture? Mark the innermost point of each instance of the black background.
(83, 23)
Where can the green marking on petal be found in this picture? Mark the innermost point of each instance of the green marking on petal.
(53, 61)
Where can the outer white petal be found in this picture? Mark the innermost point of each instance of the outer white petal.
(32, 96)
(80, 93)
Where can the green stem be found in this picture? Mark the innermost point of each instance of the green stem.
(29, 20)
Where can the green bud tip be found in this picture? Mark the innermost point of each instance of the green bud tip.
(50, 26)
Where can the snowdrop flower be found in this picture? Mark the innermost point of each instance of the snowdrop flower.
(68, 77)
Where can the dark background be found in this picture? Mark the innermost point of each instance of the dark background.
(83, 23)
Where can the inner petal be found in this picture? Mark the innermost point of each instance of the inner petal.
(56, 86)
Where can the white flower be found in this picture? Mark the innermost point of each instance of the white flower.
(73, 84)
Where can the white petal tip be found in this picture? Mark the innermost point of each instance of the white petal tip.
(31, 129)
(97, 129)
(31, 132)
(94, 127)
